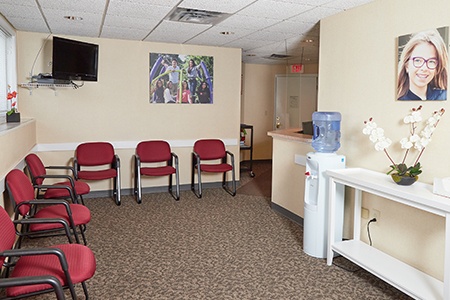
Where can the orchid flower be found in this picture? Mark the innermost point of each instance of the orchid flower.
(413, 142)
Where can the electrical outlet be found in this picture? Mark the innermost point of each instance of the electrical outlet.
(364, 213)
(374, 213)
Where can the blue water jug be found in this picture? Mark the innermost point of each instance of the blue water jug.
(326, 131)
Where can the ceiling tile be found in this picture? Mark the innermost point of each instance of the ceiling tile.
(70, 6)
(214, 36)
(124, 33)
(273, 9)
(138, 10)
(176, 31)
(247, 22)
(315, 14)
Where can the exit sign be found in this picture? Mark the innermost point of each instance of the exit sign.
(297, 68)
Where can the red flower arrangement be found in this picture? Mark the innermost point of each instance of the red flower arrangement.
(10, 97)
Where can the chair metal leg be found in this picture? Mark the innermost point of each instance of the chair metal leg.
(176, 196)
(199, 193)
(137, 180)
(117, 188)
(82, 200)
(82, 230)
(83, 284)
(138, 189)
(74, 229)
(177, 181)
(226, 187)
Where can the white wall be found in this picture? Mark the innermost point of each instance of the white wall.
(357, 76)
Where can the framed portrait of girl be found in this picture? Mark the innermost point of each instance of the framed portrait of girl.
(423, 65)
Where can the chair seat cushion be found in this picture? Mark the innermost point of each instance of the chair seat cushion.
(158, 171)
(97, 175)
(82, 188)
(215, 168)
(80, 214)
(81, 261)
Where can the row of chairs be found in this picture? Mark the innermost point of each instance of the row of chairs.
(154, 158)
(42, 210)
(33, 271)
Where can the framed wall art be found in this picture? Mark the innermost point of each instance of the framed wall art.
(181, 79)
(423, 65)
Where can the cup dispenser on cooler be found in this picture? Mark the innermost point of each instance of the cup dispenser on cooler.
(326, 134)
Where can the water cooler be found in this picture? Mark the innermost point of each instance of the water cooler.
(326, 135)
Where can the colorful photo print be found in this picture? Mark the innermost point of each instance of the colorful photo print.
(423, 65)
(181, 79)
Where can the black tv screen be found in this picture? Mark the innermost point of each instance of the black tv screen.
(74, 60)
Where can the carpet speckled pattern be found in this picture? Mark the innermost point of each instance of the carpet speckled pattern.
(217, 247)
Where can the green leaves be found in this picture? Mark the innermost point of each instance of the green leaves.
(403, 170)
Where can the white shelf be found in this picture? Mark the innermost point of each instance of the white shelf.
(419, 195)
(35, 85)
(400, 275)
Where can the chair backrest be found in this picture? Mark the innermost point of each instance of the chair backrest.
(36, 168)
(210, 149)
(20, 189)
(153, 151)
(8, 233)
(94, 154)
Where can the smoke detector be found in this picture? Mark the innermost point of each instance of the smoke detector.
(189, 15)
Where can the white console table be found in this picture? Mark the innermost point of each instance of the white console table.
(409, 280)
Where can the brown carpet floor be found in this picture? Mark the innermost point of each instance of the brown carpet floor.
(260, 184)
(217, 247)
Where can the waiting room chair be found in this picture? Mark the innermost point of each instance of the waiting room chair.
(155, 158)
(22, 196)
(91, 156)
(59, 190)
(211, 156)
(34, 271)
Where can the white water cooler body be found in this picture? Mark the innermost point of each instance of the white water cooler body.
(315, 222)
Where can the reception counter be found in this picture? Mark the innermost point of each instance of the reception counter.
(288, 177)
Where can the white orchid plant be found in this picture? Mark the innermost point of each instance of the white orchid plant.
(417, 141)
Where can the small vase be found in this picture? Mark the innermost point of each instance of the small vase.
(14, 117)
(404, 180)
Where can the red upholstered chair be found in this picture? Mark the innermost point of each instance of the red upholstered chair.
(21, 193)
(59, 190)
(42, 270)
(155, 158)
(210, 156)
(100, 155)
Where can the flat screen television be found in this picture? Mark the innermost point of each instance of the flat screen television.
(74, 60)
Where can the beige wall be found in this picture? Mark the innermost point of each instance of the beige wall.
(357, 77)
(288, 177)
(257, 108)
(117, 109)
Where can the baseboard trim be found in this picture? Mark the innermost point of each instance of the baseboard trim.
(151, 190)
(286, 213)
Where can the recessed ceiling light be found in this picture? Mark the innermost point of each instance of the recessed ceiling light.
(73, 18)
(226, 32)
(308, 41)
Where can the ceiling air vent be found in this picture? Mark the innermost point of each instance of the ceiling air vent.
(189, 15)
(280, 56)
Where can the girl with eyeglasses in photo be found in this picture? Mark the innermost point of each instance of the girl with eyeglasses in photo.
(422, 69)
